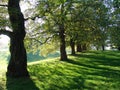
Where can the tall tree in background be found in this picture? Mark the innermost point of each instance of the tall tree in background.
(115, 24)
(54, 12)
(18, 61)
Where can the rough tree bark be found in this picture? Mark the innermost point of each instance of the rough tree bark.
(61, 25)
(17, 66)
(63, 55)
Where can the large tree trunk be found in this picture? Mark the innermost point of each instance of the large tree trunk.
(63, 55)
(72, 44)
(18, 62)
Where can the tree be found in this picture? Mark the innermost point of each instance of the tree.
(83, 20)
(114, 27)
(17, 66)
(53, 15)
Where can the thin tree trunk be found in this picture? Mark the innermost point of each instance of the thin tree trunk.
(84, 46)
(79, 48)
(97, 47)
(72, 44)
(18, 62)
(103, 47)
(63, 55)
(119, 48)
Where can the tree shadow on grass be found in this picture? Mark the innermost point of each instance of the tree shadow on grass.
(20, 84)
(90, 72)
(102, 59)
(59, 77)
(104, 66)
(56, 79)
(88, 65)
(67, 84)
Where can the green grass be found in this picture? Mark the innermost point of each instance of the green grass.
(86, 71)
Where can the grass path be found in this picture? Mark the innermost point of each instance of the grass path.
(85, 71)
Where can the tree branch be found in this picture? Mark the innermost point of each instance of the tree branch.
(3, 5)
(32, 18)
(41, 43)
(5, 32)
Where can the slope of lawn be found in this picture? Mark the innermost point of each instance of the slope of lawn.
(86, 71)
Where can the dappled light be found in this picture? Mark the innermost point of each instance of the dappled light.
(59, 45)
(90, 71)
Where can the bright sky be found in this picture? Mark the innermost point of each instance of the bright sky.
(24, 6)
(4, 41)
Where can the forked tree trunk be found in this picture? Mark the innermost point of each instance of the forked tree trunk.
(63, 55)
(18, 62)
(72, 45)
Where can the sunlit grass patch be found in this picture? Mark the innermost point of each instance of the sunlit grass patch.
(86, 71)
(94, 70)
(3, 68)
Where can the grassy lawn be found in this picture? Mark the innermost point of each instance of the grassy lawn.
(86, 71)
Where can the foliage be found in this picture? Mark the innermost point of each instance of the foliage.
(3, 18)
(50, 48)
(85, 22)
(114, 29)
(88, 22)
